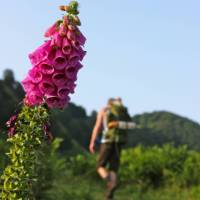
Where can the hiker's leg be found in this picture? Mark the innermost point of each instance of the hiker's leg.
(104, 154)
(111, 185)
(114, 166)
(103, 172)
(115, 162)
(113, 178)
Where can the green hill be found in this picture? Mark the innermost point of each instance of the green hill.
(165, 127)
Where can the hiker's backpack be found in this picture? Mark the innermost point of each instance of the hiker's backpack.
(115, 113)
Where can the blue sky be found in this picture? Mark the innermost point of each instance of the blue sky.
(145, 51)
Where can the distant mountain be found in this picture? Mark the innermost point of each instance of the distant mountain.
(165, 127)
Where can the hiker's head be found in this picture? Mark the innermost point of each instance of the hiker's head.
(117, 101)
(114, 101)
(110, 102)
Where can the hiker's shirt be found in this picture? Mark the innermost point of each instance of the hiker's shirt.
(115, 135)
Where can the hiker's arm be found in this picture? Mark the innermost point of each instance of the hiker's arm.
(122, 125)
(96, 130)
(126, 125)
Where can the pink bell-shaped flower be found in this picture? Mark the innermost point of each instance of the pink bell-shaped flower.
(35, 75)
(66, 47)
(63, 92)
(52, 54)
(75, 44)
(40, 53)
(60, 60)
(71, 35)
(59, 79)
(71, 72)
(27, 84)
(80, 38)
(52, 101)
(57, 40)
(74, 57)
(55, 65)
(51, 30)
(81, 53)
(46, 68)
(71, 86)
(78, 66)
(46, 86)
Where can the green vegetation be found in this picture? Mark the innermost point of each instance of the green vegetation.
(21, 174)
(145, 174)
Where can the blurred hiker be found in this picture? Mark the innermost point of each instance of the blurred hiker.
(115, 121)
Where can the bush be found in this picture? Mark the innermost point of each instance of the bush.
(191, 169)
(157, 165)
(144, 166)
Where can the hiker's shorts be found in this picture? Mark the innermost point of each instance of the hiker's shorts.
(109, 155)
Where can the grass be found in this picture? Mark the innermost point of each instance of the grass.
(79, 188)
